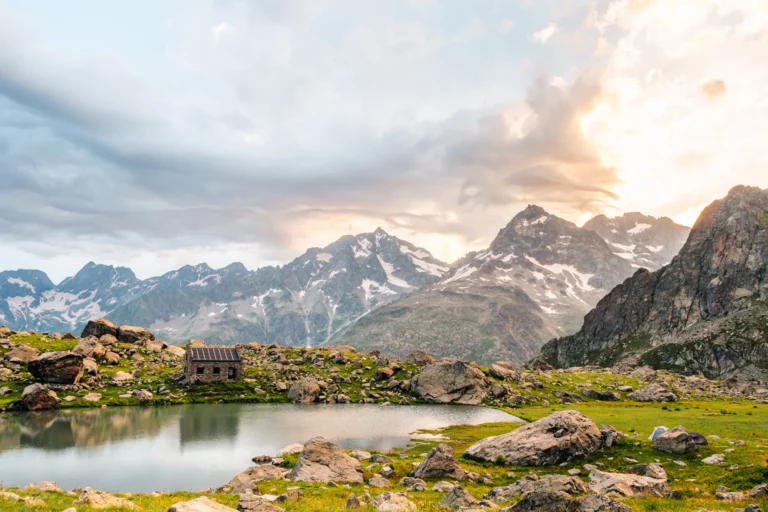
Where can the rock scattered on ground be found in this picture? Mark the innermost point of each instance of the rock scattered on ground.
(450, 381)
(440, 462)
(323, 461)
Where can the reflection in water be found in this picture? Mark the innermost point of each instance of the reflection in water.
(198, 424)
(139, 449)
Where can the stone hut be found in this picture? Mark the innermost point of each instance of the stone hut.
(212, 364)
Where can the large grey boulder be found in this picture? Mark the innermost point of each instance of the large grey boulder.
(90, 347)
(450, 381)
(248, 478)
(653, 393)
(626, 484)
(555, 439)
(22, 354)
(440, 462)
(37, 397)
(99, 328)
(675, 440)
(201, 504)
(304, 391)
(529, 483)
(57, 368)
(134, 335)
(323, 461)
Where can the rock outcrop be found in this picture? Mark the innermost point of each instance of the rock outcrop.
(706, 311)
(560, 437)
(653, 393)
(37, 397)
(450, 381)
(57, 368)
(22, 354)
(101, 500)
(323, 461)
(440, 462)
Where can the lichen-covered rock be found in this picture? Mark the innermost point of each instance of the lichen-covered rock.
(99, 328)
(37, 397)
(675, 440)
(440, 462)
(323, 461)
(552, 440)
(653, 393)
(134, 335)
(450, 381)
(57, 368)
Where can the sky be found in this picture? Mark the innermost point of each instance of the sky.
(153, 134)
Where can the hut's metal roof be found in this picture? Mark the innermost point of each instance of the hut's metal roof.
(217, 354)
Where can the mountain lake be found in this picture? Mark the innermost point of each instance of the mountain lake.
(191, 447)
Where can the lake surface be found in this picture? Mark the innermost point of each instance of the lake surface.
(144, 449)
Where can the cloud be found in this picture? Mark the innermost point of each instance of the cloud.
(714, 89)
(543, 35)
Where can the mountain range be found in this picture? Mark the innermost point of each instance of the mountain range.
(373, 290)
(705, 312)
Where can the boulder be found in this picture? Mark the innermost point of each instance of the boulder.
(383, 374)
(529, 483)
(37, 397)
(392, 502)
(201, 504)
(92, 397)
(379, 482)
(675, 440)
(134, 335)
(22, 354)
(304, 391)
(90, 347)
(627, 484)
(250, 502)
(420, 358)
(450, 381)
(99, 328)
(653, 393)
(122, 377)
(251, 476)
(549, 501)
(610, 435)
(107, 340)
(112, 358)
(652, 470)
(353, 502)
(457, 499)
(503, 370)
(144, 396)
(195, 343)
(323, 461)
(555, 439)
(603, 396)
(46, 486)
(90, 366)
(4, 332)
(440, 462)
(57, 368)
(101, 500)
(176, 351)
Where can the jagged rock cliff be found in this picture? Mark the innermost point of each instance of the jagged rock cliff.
(707, 311)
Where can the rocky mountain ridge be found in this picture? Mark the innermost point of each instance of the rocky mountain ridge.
(536, 280)
(706, 311)
(302, 303)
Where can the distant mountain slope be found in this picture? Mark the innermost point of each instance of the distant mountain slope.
(536, 279)
(642, 240)
(707, 311)
(302, 303)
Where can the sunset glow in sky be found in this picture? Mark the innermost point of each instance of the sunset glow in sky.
(154, 134)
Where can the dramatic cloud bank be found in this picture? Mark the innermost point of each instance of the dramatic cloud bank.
(231, 130)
